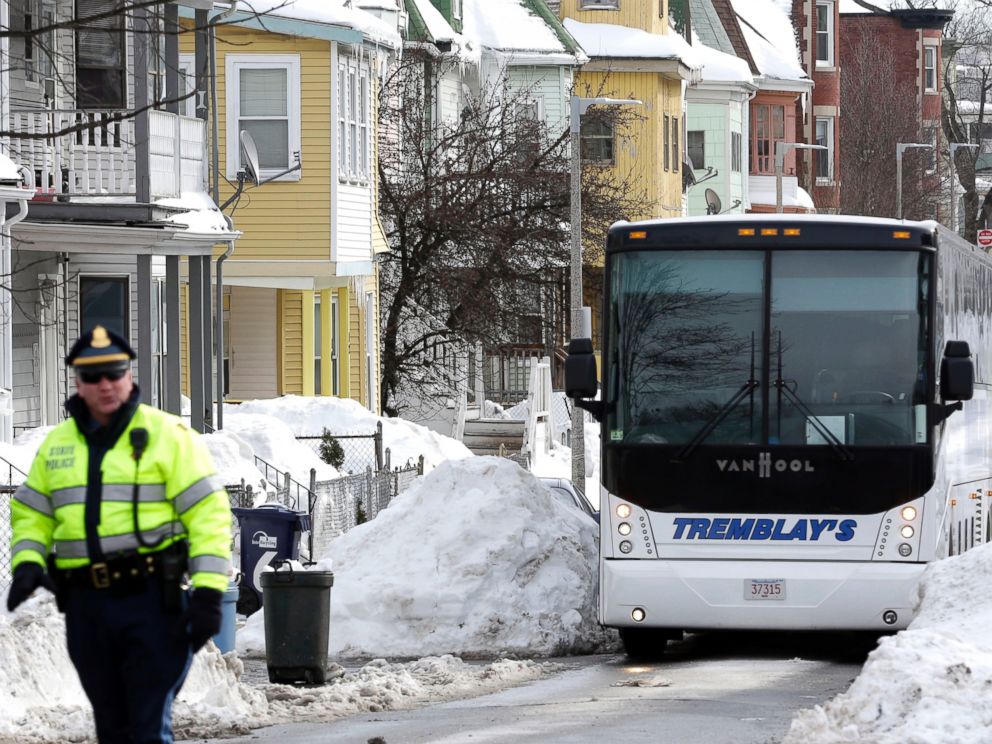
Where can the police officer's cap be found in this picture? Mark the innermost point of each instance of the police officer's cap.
(100, 350)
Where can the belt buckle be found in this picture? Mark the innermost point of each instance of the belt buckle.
(99, 575)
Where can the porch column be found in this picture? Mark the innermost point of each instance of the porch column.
(194, 339)
(308, 345)
(327, 332)
(172, 92)
(142, 139)
(344, 347)
(145, 352)
(173, 361)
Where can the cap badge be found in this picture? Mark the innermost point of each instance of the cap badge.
(100, 339)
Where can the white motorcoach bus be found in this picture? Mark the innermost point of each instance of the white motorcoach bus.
(795, 420)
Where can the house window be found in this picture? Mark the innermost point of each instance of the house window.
(354, 121)
(156, 57)
(263, 92)
(929, 154)
(599, 4)
(597, 141)
(527, 122)
(39, 47)
(100, 55)
(665, 143)
(825, 158)
(930, 69)
(735, 152)
(103, 300)
(187, 85)
(825, 34)
(676, 158)
(769, 128)
(696, 145)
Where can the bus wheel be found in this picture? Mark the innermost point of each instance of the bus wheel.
(647, 643)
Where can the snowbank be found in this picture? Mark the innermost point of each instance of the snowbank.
(275, 442)
(310, 416)
(41, 701)
(478, 559)
(928, 683)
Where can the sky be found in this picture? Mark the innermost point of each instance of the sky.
(478, 559)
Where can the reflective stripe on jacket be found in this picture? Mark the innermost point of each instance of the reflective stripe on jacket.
(179, 497)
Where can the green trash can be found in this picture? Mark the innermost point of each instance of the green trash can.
(297, 621)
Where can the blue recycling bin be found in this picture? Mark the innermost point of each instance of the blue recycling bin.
(269, 533)
(225, 637)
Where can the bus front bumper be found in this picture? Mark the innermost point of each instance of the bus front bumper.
(690, 595)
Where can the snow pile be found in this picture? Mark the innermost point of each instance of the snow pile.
(478, 558)
(310, 416)
(557, 461)
(928, 683)
(234, 459)
(41, 701)
(621, 42)
(510, 25)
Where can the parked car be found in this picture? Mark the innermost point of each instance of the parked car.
(564, 490)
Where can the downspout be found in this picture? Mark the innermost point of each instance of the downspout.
(219, 319)
(7, 306)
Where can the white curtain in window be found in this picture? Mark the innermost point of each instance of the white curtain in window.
(264, 113)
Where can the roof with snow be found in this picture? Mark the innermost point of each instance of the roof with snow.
(771, 39)
(605, 40)
(331, 19)
(517, 26)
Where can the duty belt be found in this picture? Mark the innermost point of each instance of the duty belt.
(115, 571)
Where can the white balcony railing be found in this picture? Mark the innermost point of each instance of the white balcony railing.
(90, 153)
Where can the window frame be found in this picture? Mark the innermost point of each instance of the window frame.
(187, 73)
(598, 137)
(676, 149)
(354, 121)
(699, 147)
(665, 143)
(736, 152)
(233, 64)
(124, 279)
(828, 33)
(39, 53)
(121, 69)
(764, 164)
(599, 4)
(828, 179)
(929, 69)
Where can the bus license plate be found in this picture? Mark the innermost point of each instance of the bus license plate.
(762, 589)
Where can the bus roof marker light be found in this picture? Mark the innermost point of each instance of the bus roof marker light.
(638, 234)
(746, 231)
(791, 231)
(909, 513)
(623, 511)
(901, 234)
(769, 231)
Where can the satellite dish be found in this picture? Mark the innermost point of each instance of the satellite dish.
(249, 153)
(713, 203)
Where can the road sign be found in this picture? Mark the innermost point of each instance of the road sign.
(985, 238)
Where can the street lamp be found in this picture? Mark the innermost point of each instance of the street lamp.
(901, 147)
(579, 106)
(954, 187)
(781, 148)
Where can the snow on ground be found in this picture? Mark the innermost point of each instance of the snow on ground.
(928, 684)
(310, 416)
(41, 700)
(477, 558)
(557, 462)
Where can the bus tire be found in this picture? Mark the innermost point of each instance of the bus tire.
(647, 643)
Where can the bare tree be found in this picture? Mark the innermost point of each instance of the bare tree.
(875, 120)
(476, 215)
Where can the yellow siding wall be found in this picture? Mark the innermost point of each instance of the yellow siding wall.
(291, 347)
(283, 219)
(651, 15)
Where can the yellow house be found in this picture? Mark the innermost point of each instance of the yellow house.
(301, 293)
(634, 54)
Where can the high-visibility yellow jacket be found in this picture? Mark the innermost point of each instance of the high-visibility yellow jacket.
(179, 497)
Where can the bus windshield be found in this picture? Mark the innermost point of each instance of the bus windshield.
(791, 347)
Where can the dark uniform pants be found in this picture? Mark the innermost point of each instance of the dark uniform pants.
(132, 657)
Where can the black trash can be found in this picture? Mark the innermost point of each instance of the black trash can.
(269, 533)
(297, 622)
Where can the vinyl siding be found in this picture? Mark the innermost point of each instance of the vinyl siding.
(291, 333)
(354, 223)
(651, 15)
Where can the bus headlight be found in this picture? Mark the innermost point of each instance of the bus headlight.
(907, 531)
(623, 511)
(905, 549)
(626, 546)
(909, 513)
(624, 528)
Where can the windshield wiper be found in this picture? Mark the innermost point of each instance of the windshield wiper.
(839, 448)
(714, 421)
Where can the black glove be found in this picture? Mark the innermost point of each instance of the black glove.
(27, 577)
(203, 616)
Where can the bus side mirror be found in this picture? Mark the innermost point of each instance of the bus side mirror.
(957, 372)
(580, 369)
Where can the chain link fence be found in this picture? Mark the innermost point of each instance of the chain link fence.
(351, 453)
(343, 503)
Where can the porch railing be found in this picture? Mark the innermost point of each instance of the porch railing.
(92, 153)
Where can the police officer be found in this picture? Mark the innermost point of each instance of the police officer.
(122, 502)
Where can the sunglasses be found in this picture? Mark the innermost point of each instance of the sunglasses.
(92, 378)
